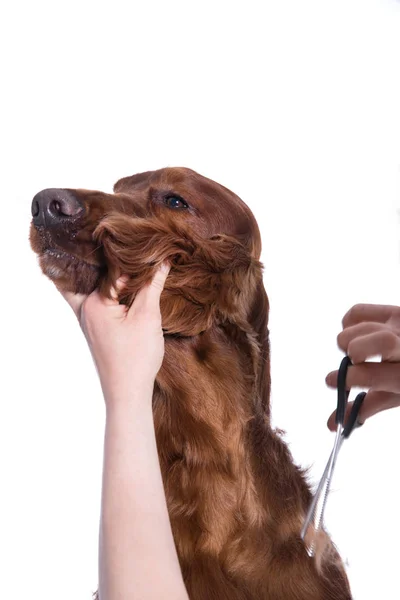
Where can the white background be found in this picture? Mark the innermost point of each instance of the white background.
(295, 107)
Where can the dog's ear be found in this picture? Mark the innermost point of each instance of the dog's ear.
(242, 300)
(237, 275)
(127, 184)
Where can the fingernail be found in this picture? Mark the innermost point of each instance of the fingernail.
(165, 267)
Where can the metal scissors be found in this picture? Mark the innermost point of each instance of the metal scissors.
(315, 515)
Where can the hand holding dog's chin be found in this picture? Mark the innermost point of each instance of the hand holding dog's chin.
(127, 346)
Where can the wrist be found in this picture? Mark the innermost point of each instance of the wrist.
(133, 393)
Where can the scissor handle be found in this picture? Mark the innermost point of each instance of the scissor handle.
(352, 421)
(343, 394)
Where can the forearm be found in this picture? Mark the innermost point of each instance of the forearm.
(137, 554)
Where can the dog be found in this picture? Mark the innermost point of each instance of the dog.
(236, 499)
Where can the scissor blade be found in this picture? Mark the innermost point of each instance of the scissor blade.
(316, 511)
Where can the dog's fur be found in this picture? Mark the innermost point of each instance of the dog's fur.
(236, 500)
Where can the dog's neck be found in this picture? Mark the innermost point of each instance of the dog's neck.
(203, 405)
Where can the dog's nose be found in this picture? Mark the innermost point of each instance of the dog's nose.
(54, 207)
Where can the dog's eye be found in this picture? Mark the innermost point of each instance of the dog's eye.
(174, 201)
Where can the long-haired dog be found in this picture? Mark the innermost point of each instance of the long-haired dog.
(236, 500)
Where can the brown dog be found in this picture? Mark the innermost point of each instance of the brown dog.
(236, 500)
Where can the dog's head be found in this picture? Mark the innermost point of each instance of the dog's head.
(87, 239)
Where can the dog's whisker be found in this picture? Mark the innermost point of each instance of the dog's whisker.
(93, 251)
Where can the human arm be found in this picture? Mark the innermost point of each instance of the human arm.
(137, 555)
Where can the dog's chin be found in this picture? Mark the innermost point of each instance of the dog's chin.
(70, 273)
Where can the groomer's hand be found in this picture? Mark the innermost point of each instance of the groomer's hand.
(370, 330)
(127, 346)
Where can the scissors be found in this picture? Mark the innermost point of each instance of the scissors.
(315, 515)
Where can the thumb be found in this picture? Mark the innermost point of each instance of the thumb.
(159, 279)
(150, 294)
(375, 401)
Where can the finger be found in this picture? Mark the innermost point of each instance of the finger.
(374, 402)
(331, 379)
(382, 376)
(379, 313)
(74, 300)
(115, 291)
(361, 329)
(384, 343)
(331, 423)
(149, 296)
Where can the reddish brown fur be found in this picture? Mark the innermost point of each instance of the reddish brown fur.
(236, 500)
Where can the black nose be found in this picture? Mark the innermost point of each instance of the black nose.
(54, 207)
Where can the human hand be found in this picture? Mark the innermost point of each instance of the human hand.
(127, 345)
(370, 330)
